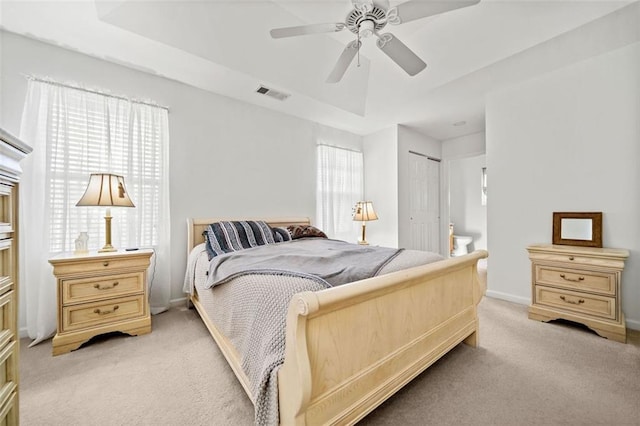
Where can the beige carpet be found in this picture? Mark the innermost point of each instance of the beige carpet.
(524, 373)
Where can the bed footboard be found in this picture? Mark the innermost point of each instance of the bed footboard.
(351, 347)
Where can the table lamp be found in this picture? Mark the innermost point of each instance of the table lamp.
(105, 189)
(363, 211)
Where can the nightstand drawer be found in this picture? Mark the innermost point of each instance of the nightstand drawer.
(75, 317)
(589, 304)
(556, 254)
(80, 290)
(600, 282)
(107, 265)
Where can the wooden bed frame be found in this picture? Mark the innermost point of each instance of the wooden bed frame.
(351, 347)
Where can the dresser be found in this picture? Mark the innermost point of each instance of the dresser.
(100, 293)
(580, 284)
(11, 152)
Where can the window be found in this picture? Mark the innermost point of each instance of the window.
(339, 188)
(483, 195)
(94, 133)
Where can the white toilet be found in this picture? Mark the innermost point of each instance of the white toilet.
(461, 244)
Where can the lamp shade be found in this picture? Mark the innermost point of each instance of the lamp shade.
(364, 211)
(107, 190)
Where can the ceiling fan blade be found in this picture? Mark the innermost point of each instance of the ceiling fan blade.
(307, 29)
(359, 3)
(400, 54)
(343, 63)
(382, 4)
(416, 9)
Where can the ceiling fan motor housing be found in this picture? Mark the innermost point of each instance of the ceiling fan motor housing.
(356, 17)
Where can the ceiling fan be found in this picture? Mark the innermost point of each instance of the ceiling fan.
(367, 18)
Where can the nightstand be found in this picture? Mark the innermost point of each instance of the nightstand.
(100, 293)
(580, 284)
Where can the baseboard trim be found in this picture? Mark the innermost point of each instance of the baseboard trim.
(23, 332)
(178, 303)
(508, 297)
(633, 324)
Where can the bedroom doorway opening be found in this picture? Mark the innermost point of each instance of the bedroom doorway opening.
(468, 197)
(424, 202)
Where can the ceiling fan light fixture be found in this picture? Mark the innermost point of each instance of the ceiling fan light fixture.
(367, 28)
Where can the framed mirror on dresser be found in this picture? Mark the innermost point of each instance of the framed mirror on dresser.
(12, 151)
(577, 229)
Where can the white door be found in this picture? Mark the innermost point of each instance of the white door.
(424, 203)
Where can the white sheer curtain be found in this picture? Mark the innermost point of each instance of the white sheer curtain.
(339, 187)
(75, 132)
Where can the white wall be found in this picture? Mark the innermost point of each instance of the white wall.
(464, 146)
(381, 185)
(410, 140)
(466, 211)
(227, 158)
(565, 141)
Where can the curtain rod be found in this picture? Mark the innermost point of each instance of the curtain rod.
(339, 147)
(425, 156)
(98, 92)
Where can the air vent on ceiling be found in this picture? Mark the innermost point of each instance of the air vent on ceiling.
(273, 93)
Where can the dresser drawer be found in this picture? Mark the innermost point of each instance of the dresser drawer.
(600, 282)
(85, 315)
(7, 367)
(9, 411)
(589, 304)
(108, 265)
(85, 289)
(7, 317)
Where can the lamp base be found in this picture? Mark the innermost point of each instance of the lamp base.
(363, 243)
(107, 228)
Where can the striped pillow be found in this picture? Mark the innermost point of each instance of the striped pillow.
(229, 236)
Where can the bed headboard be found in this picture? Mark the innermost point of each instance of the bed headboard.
(196, 226)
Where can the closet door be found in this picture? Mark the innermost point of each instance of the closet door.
(424, 202)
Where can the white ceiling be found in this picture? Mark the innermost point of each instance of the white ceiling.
(225, 47)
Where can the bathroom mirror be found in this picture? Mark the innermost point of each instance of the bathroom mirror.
(578, 229)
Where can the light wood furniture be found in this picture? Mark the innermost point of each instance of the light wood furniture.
(580, 284)
(100, 293)
(351, 347)
(11, 152)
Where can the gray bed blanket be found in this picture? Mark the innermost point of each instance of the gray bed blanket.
(323, 260)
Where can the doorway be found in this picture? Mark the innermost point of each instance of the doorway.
(424, 202)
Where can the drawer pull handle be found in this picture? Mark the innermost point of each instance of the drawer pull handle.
(106, 287)
(572, 279)
(573, 302)
(101, 312)
(105, 264)
(570, 257)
